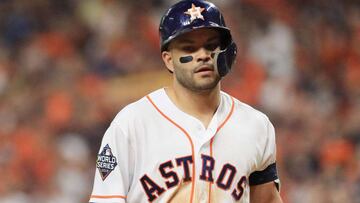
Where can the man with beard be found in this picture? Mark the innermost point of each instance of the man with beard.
(189, 142)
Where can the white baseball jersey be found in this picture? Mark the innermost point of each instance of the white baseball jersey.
(154, 152)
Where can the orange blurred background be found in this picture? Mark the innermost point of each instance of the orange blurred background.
(67, 67)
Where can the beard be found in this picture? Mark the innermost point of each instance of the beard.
(189, 80)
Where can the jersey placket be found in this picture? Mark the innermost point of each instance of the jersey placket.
(202, 139)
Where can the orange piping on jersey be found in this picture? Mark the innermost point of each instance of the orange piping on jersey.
(189, 138)
(227, 118)
(209, 198)
(108, 196)
(217, 130)
(211, 154)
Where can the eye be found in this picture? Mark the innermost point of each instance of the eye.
(189, 48)
(212, 46)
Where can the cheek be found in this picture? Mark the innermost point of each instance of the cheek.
(182, 57)
(183, 72)
(183, 67)
(179, 65)
(186, 59)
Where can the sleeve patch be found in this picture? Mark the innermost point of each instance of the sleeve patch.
(106, 162)
(261, 177)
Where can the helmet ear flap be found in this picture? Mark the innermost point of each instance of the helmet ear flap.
(225, 59)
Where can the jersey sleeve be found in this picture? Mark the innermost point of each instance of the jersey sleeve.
(114, 164)
(266, 170)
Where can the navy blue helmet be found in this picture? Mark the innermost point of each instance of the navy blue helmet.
(188, 15)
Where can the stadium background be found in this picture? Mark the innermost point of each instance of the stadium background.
(67, 67)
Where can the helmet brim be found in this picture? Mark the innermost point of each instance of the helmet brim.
(224, 35)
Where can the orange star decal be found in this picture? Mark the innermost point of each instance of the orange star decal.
(195, 12)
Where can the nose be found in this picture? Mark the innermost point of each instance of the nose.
(203, 55)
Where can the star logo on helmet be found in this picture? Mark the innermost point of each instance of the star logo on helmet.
(195, 12)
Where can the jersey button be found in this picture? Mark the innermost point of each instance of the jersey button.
(203, 198)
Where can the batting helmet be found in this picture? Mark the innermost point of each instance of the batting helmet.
(188, 15)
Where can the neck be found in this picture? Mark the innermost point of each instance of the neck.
(202, 105)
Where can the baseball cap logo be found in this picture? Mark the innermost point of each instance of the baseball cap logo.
(195, 12)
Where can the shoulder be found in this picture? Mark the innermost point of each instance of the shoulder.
(244, 109)
(131, 111)
(244, 113)
(136, 110)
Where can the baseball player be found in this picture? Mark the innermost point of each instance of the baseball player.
(190, 142)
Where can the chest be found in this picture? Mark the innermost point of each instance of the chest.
(170, 157)
(232, 143)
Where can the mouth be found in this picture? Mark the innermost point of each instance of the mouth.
(204, 68)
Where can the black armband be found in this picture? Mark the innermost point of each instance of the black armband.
(267, 175)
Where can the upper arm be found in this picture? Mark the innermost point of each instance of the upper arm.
(264, 193)
(264, 181)
(113, 167)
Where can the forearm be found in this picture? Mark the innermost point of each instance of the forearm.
(265, 193)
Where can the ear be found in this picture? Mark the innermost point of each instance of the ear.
(168, 60)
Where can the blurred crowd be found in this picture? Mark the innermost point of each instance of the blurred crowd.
(67, 67)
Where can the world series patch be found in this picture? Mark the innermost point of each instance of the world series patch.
(106, 162)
